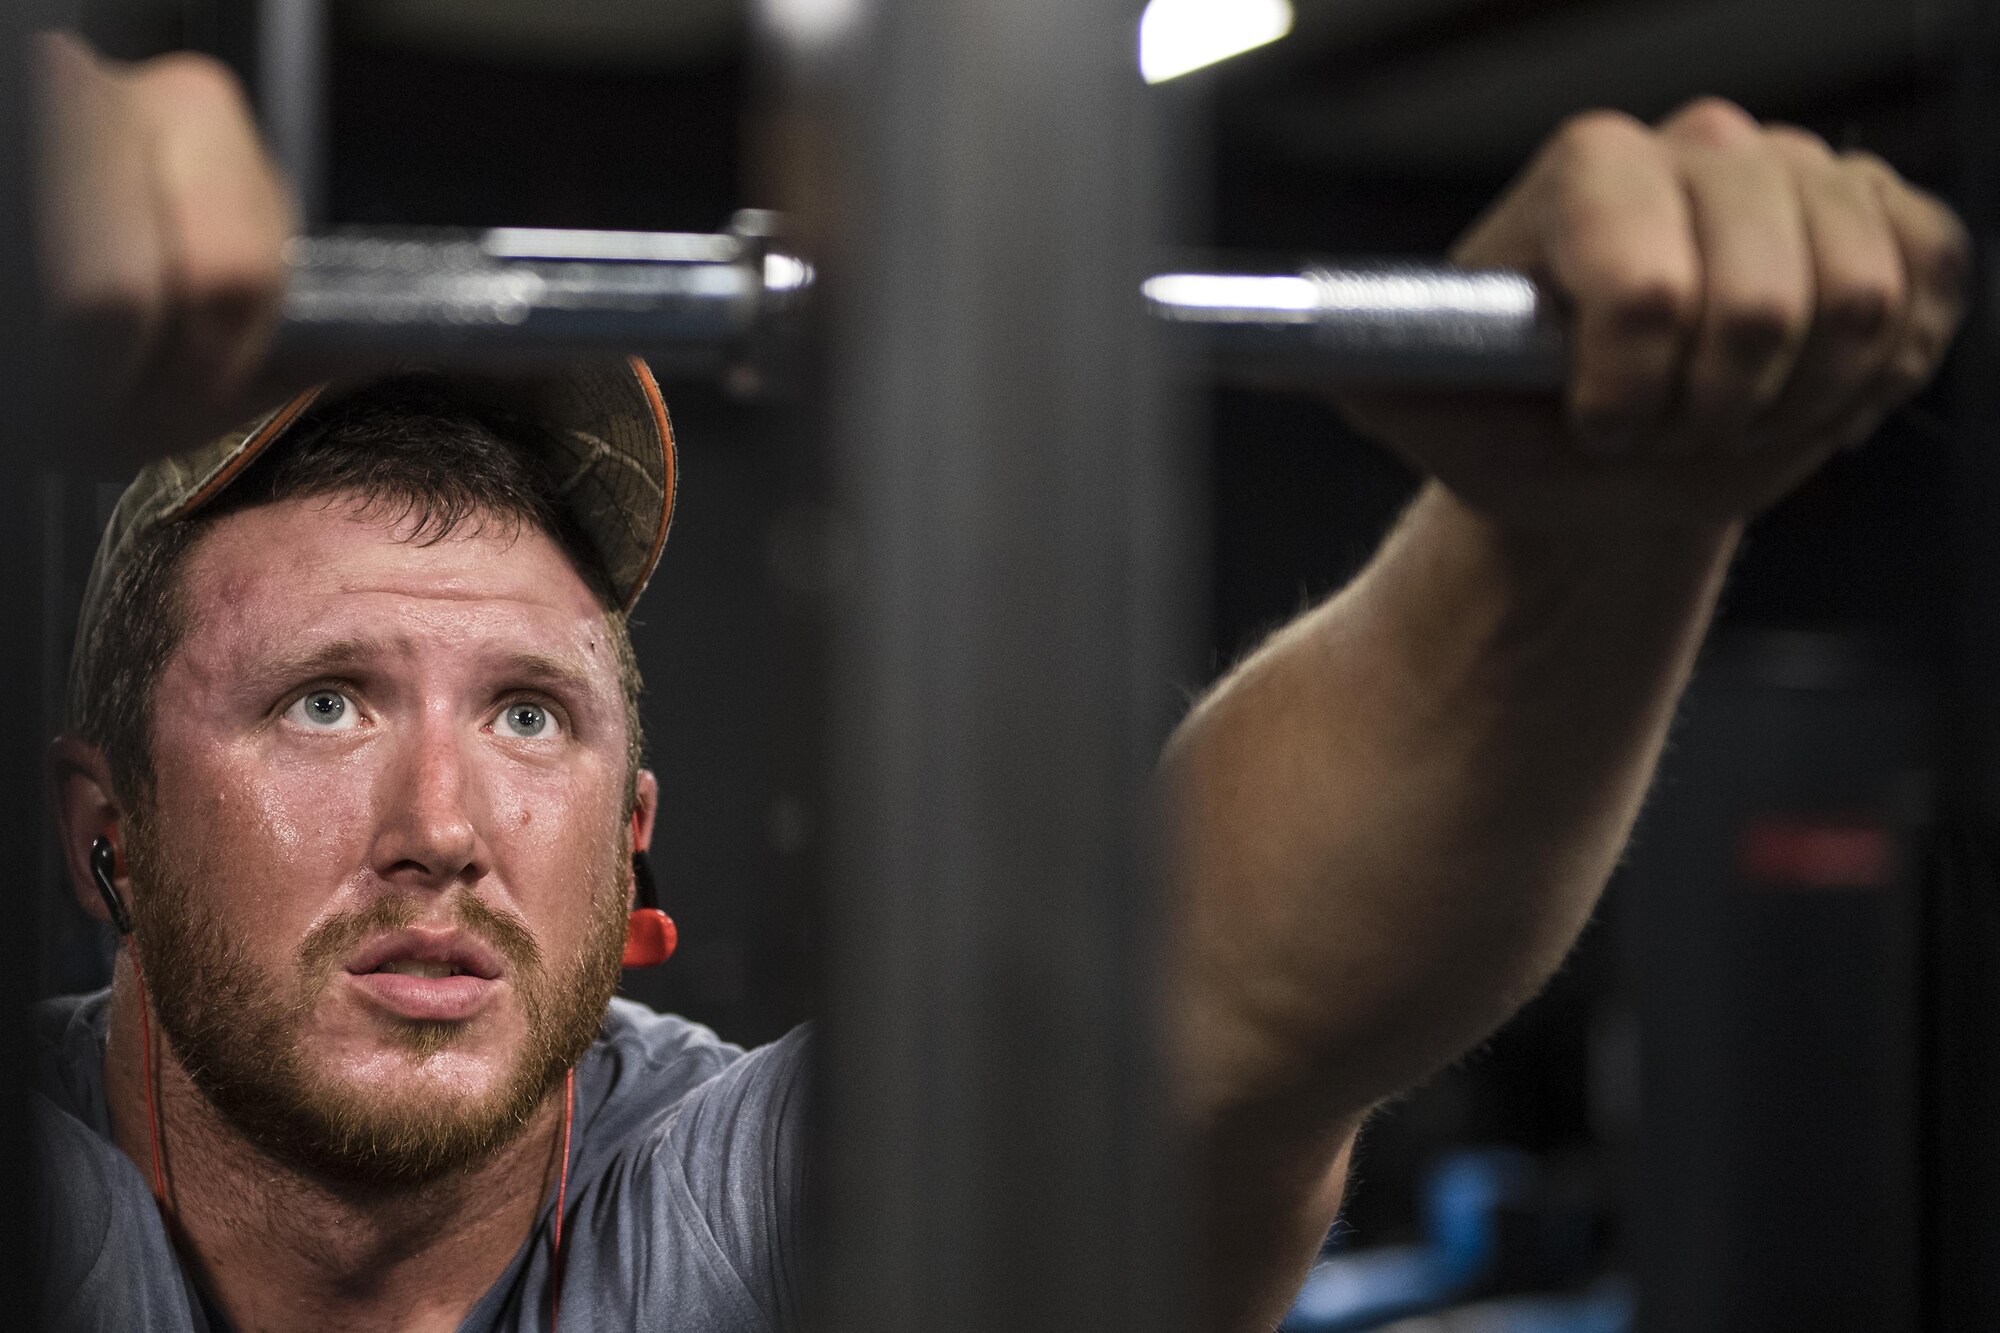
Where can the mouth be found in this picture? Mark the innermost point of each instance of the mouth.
(417, 967)
(426, 976)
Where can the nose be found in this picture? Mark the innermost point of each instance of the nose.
(427, 804)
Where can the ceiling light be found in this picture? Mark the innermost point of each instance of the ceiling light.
(1177, 37)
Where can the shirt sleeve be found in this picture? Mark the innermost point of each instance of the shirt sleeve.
(739, 1142)
(107, 1266)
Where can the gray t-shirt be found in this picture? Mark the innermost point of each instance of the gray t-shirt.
(685, 1192)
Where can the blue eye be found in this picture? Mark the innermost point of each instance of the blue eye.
(324, 710)
(525, 721)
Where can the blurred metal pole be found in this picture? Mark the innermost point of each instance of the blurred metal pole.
(1962, 1156)
(973, 181)
(291, 90)
(23, 833)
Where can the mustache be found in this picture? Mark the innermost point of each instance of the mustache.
(333, 939)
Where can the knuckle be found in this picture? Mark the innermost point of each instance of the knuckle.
(1751, 331)
(1651, 302)
(1862, 307)
(1757, 318)
(1713, 120)
(1869, 166)
(1589, 135)
(1947, 262)
(1798, 141)
(192, 81)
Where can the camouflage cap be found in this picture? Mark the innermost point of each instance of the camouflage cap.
(605, 437)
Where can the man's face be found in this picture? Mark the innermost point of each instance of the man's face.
(380, 891)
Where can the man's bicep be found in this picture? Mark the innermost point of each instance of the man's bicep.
(1267, 1206)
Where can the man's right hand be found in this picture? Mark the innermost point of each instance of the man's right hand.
(162, 227)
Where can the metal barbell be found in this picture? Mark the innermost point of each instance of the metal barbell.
(701, 304)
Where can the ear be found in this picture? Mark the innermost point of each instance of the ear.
(86, 810)
(645, 806)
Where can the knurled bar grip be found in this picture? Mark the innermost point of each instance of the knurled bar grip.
(690, 302)
(1387, 325)
(699, 303)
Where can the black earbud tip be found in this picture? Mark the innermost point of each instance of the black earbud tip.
(642, 875)
(103, 867)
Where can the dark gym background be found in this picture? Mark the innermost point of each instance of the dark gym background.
(1761, 1089)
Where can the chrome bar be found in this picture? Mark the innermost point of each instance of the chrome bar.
(698, 304)
(1393, 324)
(690, 302)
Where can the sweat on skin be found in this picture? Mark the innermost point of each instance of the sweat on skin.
(358, 726)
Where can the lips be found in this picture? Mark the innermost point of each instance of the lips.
(423, 952)
(426, 976)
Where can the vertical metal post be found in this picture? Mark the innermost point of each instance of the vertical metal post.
(976, 182)
(291, 75)
(23, 834)
(1963, 954)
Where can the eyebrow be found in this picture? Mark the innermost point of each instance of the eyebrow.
(344, 656)
(556, 674)
(331, 658)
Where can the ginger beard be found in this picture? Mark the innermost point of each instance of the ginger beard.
(239, 1028)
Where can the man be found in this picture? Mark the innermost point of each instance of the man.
(369, 789)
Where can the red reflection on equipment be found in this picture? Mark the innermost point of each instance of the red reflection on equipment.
(1795, 852)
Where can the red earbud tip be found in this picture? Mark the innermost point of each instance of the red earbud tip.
(650, 938)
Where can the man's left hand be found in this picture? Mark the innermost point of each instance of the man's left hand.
(1743, 300)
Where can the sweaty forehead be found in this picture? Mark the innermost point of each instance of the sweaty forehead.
(332, 562)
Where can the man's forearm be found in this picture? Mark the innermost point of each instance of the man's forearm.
(1396, 816)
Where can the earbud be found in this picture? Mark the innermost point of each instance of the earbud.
(650, 938)
(650, 934)
(103, 868)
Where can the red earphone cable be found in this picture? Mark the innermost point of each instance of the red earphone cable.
(146, 1072)
(562, 1199)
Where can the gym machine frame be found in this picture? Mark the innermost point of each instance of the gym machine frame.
(24, 835)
